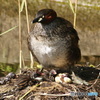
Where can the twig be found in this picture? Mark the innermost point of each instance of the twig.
(32, 88)
(98, 65)
(58, 95)
(94, 82)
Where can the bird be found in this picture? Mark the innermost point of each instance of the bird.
(53, 41)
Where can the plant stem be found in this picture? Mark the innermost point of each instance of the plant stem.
(31, 57)
(75, 12)
(20, 38)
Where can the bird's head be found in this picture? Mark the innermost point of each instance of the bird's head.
(45, 16)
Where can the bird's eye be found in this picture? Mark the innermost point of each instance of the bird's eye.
(49, 17)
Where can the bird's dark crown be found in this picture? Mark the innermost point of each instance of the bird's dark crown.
(45, 16)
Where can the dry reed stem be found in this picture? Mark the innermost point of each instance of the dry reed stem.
(20, 38)
(31, 57)
(75, 13)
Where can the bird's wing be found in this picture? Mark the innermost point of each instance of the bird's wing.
(72, 34)
(72, 37)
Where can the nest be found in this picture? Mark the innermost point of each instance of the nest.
(22, 87)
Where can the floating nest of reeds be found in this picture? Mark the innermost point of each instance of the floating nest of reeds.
(40, 84)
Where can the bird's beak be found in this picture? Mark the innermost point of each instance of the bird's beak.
(35, 20)
(38, 19)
